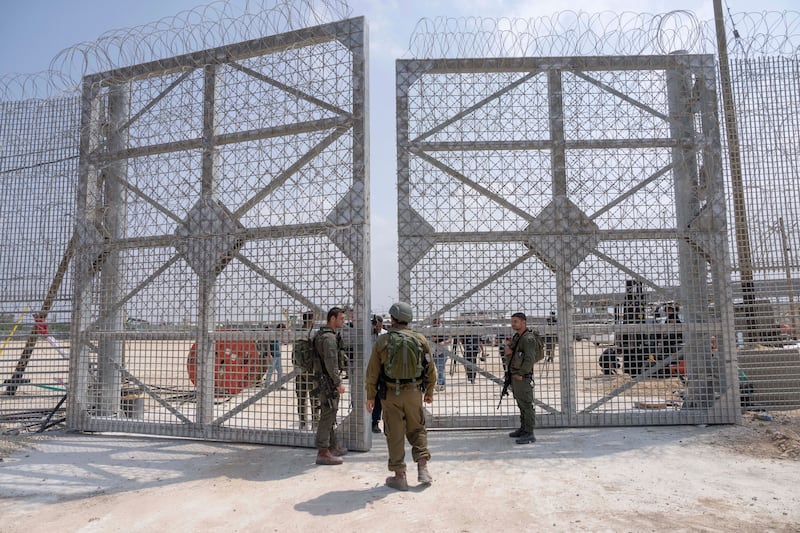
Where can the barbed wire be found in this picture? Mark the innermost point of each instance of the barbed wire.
(207, 26)
(571, 33)
(37, 85)
(767, 33)
(562, 34)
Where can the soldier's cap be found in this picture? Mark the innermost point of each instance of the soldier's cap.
(521, 316)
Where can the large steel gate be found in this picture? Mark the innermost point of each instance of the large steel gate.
(222, 194)
(586, 192)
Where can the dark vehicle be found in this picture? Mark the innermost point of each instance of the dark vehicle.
(638, 352)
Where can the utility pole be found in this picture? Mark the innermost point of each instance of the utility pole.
(739, 208)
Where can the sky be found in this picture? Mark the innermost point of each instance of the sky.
(32, 32)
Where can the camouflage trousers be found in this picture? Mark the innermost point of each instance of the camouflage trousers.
(326, 431)
(404, 418)
(303, 385)
(523, 394)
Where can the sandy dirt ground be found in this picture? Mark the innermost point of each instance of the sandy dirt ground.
(677, 478)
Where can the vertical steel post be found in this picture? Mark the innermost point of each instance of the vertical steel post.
(404, 212)
(692, 266)
(81, 398)
(110, 357)
(206, 301)
(566, 356)
(362, 305)
(713, 183)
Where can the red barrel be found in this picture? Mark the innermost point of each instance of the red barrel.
(237, 365)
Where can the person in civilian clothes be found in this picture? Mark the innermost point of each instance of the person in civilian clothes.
(377, 331)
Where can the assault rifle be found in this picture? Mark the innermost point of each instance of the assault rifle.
(506, 384)
(325, 386)
(507, 377)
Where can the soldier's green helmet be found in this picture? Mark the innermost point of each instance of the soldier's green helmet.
(401, 312)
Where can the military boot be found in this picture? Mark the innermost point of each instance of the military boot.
(398, 481)
(337, 451)
(526, 438)
(325, 457)
(516, 433)
(423, 476)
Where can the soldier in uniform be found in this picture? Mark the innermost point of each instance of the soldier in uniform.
(403, 416)
(520, 354)
(329, 346)
(304, 384)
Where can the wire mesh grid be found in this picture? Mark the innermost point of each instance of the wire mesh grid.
(767, 227)
(40, 146)
(219, 201)
(760, 121)
(37, 168)
(562, 188)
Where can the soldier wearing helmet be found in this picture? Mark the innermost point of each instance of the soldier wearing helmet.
(403, 416)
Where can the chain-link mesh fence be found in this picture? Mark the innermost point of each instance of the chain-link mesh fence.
(222, 196)
(477, 173)
(39, 173)
(766, 102)
(219, 201)
(38, 167)
(543, 186)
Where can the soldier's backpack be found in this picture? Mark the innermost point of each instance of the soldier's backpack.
(404, 357)
(303, 354)
(538, 344)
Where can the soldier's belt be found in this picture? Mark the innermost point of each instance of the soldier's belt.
(402, 386)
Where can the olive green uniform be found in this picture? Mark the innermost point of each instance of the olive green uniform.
(328, 345)
(521, 360)
(403, 415)
(303, 385)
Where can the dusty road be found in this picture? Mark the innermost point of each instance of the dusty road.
(686, 478)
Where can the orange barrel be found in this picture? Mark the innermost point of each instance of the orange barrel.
(237, 365)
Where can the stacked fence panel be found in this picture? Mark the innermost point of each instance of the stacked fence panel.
(38, 169)
(766, 93)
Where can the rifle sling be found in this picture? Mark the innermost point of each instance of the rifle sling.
(514, 350)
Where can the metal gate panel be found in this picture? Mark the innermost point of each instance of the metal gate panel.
(586, 192)
(38, 143)
(222, 194)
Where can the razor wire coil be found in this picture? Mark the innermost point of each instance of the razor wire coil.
(578, 33)
(204, 27)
